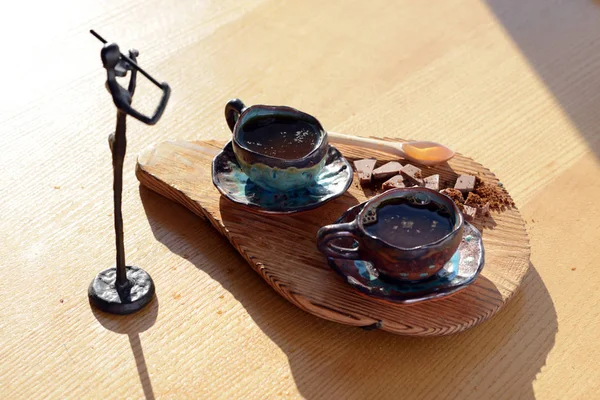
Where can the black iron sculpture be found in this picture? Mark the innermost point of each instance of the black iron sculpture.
(123, 289)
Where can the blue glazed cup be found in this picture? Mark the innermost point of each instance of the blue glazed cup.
(405, 264)
(274, 173)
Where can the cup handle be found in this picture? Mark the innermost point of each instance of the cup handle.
(233, 109)
(331, 232)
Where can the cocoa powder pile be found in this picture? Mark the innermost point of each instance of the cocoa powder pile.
(493, 194)
(474, 199)
(483, 197)
(455, 195)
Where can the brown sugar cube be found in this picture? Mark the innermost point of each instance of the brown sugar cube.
(469, 213)
(432, 182)
(412, 174)
(387, 170)
(393, 183)
(364, 169)
(465, 183)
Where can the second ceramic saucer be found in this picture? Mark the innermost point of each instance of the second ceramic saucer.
(462, 269)
(233, 183)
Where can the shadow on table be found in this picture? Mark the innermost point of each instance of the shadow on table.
(555, 38)
(499, 357)
(123, 324)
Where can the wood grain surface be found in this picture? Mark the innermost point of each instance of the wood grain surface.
(512, 84)
(282, 249)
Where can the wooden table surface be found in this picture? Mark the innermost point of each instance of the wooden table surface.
(513, 84)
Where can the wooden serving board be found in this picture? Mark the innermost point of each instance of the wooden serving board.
(282, 248)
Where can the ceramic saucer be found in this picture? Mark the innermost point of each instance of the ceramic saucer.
(462, 269)
(233, 183)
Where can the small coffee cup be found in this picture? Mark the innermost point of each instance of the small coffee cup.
(408, 234)
(279, 148)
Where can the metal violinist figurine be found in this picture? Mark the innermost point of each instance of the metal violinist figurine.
(123, 289)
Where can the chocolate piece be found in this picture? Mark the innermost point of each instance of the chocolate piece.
(432, 182)
(465, 183)
(485, 210)
(395, 182)
(469, 213)
(412, 174)
(364, 169)
(387, 170)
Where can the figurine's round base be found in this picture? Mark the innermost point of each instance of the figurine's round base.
(103, 293)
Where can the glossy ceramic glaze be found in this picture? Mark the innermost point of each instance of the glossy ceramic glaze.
(461, 270)
(405, 264)
(274, 173)
(229, 178)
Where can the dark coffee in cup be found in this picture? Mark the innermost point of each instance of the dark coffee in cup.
(280, 137)
(405, 224)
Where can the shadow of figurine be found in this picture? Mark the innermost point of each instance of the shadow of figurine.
(123, 289)
(132, 327)
(499, 358)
